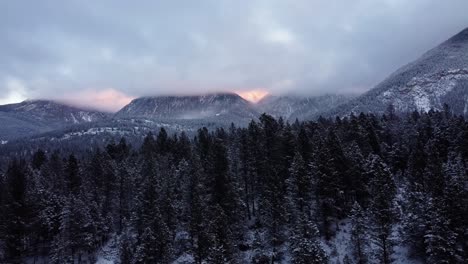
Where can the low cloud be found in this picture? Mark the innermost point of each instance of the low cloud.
(15, 91)
(178, 47)
(109, 100)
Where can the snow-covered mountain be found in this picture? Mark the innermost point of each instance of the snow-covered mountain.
(292, 107)
(53, 111)
(38, 116)
(437, 77)
(217, 106)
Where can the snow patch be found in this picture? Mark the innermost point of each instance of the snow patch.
(339, 247)
(109, 253)
(184, 259)
(424, 92)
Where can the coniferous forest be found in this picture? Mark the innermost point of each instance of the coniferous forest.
(270, 192)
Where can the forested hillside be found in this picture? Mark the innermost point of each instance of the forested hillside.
(361, 189)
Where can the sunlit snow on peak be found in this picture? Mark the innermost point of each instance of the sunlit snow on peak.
(253, 95)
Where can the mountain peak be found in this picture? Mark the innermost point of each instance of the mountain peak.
(52, 111)
(211, 105)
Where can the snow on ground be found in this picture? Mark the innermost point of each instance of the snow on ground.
(184, 259)
(338, 247)
(109, 253)
(400, 252)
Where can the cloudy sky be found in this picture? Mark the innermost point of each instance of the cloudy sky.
(103, 53)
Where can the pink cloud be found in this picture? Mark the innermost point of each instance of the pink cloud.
(106, 100)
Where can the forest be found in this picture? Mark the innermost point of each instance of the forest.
(269, 192)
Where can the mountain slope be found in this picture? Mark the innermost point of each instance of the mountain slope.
(292, 107)
(211, 106)
(38, 116)
(439, 76)
(51, 111)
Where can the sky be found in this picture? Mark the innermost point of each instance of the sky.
(102, 54)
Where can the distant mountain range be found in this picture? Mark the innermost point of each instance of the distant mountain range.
(174, 112)
(439, 76)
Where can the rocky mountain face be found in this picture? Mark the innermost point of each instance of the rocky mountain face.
(297, 107)
(38, 116)
(439, 76)
(217, 106)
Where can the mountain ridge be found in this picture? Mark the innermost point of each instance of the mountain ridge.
(214, 105)
(438, 76)
(49, 108)
(38, 116)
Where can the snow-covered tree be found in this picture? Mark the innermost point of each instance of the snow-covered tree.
(359, 234)
(382, 191)
(305, 246)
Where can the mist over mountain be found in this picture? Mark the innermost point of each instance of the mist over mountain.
(300, 107)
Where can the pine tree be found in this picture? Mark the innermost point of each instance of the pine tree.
(301, 183)
(260, 255)
(162, 142)
(305, 244)
(220, 250)
(126, 250)
(331, 173)
(198, 214)
(15, 212)
(439, 240)
(154, 237)
(272, 183)
(359, 234)
(39, 158)
(455, 199)
(414, 220)
(154, 245)
(62, 245)
(382, 190)
(73, 178)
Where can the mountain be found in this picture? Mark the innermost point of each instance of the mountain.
(292, 107)
(218, 106)
(38, 116)
(439, 76)
(51, 111)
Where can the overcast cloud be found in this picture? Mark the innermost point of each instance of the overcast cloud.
(103, 53)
